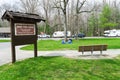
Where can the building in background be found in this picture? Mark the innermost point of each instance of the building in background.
(5, 32)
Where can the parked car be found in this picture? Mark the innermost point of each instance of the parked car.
(43, 36)
(112, 33)
(60, 34)
(80, 35)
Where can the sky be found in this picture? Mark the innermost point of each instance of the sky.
(13, 1)
(8, 1)
(16, 1)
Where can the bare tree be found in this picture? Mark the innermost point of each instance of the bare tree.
(79, 10)
(0, 10)
(3, 8)
(62, 4)
(47, 9)
(7, 6)
(58, 20)
(29, 6)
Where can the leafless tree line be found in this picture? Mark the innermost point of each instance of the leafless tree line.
(67, 15)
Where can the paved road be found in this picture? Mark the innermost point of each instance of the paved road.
(5, 53)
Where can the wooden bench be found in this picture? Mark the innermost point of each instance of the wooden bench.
(93, 48)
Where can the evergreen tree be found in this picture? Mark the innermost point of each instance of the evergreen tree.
(106, 21)
(93, 25)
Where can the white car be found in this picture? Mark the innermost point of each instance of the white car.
(60, 34)
(43, 36)
(112, 33)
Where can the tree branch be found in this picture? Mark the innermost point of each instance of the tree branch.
(58, 6)
(84, 11)
(79, 8)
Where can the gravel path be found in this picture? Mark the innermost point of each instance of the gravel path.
(109, 54)
(5, 54)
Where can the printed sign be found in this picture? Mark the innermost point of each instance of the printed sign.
(24, 29)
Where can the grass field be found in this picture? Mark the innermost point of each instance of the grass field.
(59, 68)
(113, 43)
(4, 41)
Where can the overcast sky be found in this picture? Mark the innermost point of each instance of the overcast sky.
(15, 1)
(8, 1)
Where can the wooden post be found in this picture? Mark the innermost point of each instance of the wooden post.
(35, 49)
(12, 42)
(35, 44)
(13, 54)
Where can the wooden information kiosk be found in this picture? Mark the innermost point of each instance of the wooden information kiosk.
(23, 29)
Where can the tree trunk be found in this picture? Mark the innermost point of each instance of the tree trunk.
(65, 26)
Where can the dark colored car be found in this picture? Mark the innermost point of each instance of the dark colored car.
(80, 35)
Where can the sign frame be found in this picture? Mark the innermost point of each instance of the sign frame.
(22, 39)
(24, 26)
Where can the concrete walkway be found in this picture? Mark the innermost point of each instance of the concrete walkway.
(5, 54)
(109, 54)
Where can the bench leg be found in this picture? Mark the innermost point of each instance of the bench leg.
(100, 52)
(82, 52)
(91, 52)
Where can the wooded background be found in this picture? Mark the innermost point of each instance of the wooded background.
(91, 17)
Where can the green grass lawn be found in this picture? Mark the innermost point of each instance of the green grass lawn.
(44, 45)
(59, 68)
(4, 41)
